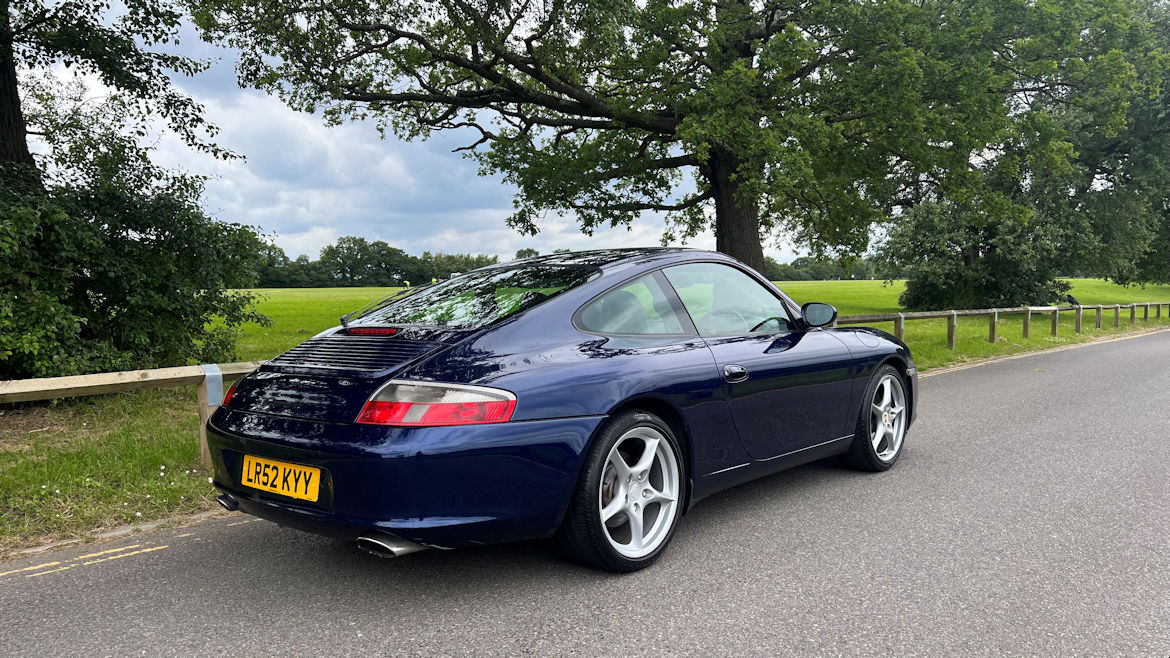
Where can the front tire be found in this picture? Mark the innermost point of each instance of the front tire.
(629, 496)
(882, 422)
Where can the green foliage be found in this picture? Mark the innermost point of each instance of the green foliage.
(355, 261)
(956, 258)
(813, 119)
(113, 265)
(1077, 183)
(115, 47)
(526, 252)
(38, 245)
(810, 269)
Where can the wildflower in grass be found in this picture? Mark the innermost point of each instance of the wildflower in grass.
(138, 514)
(56, 491)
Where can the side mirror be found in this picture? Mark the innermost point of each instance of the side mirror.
(816, 314)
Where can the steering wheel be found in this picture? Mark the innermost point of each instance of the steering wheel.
(727, 311)
(779, 320)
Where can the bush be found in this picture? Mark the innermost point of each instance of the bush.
(108, 262)
(954, 258)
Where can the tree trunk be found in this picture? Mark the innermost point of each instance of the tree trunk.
(737, 220)
(13, 138)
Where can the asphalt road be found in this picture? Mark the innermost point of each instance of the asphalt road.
(1030, 514)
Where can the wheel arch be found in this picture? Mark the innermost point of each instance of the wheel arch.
(672, 416)
(899, 363)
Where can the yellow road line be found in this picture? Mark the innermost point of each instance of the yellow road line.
(186, 534)
(112, 550)
(39, 566)
(1022, 355)
(64, 568)
(122, 555)
(117, 551)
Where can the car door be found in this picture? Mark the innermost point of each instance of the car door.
(788, 388)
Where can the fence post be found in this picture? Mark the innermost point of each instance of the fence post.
(1159, 312)
(992, 326)
(1117, 315)
(1146, 313)
(900, 327)
(1027, 322)
(1098, 316)
(210, 397)
(1055, 321)
(952, 327)
(1132, 313)
(1080, 313)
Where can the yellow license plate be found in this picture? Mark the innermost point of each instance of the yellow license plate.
(292, 480)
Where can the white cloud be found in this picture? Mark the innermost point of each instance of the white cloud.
(307, 242)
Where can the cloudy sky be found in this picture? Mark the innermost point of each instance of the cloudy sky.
(306, 184)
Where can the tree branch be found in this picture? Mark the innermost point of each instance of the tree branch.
(635, 206)
(639, 166)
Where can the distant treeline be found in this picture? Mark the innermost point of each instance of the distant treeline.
(354, 261)
(808, 269)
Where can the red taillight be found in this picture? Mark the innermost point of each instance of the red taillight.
(227, 397)
(373, 331)
(413, 404)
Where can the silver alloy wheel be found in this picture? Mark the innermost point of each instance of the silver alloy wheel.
(639, 492)
(889, 421)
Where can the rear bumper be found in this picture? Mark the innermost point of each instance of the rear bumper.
(437, 486)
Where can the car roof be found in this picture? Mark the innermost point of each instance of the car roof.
(612, 259)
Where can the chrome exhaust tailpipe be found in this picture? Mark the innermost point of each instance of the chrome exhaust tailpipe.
(228, 503)
(387, 545)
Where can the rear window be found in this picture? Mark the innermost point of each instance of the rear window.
(640, 307)
(479, 298)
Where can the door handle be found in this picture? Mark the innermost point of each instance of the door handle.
(734, 373)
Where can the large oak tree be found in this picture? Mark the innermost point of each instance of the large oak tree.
(813, 118)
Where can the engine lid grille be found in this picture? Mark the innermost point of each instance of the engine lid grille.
(364, 354)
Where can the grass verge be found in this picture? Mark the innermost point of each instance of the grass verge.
(77, 467)
(72, 468)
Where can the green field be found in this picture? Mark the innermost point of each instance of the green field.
(74, 467)
(298, 314)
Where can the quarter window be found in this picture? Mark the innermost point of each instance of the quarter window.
(640, 307)
(724, 301)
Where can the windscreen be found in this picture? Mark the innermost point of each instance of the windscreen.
(479, 298)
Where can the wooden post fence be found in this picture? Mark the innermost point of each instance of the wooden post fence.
(49, 388)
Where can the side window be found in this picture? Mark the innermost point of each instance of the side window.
(639, 307)
(724, 301)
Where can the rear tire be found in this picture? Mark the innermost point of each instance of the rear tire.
(882, 422)
(629, 496)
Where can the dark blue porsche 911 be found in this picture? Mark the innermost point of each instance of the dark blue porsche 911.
(592, 396)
